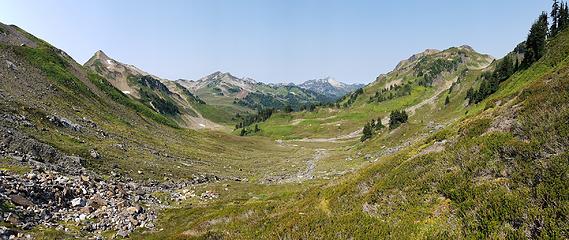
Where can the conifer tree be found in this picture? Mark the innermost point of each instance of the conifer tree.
(555, 18)
(367, 132)
(535, 43)
(379, 124)
(470, 94)
(563, 17)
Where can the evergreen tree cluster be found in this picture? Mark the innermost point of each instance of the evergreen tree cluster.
(308, 107)
(352, 97)
(392, 92)
(245, 131)
(189, 96)
(370, 128)
(288, 109)
(261, 116)
(536, 40)
(396, 118)
(533, 49)
(430, 70)
(258, 100)
(491, 80)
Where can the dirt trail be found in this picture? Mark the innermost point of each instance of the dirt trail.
(308, 173)
(446, 85)
(311, 164)
(346, 137)
(410, 110)
(298, 121)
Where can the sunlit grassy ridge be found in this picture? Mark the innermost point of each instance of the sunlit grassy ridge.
(326, 122)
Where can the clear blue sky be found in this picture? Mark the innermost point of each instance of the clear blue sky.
(272, 40)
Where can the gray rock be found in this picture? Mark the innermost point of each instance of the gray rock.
(11, 65)
(122, 233)
(94, 154)
(78, 202)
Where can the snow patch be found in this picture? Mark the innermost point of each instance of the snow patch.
(126, 92)
(202, 125)
(335, 83)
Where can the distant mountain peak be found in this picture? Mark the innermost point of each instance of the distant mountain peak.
(467, 47)
(226, 77)
(113, 65)
(100, 54)
(329, 86)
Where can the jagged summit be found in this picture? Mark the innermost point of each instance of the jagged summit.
(224, 81)
(101, 60)
(101, 55)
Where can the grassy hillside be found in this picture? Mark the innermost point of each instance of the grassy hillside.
(500, 172)
(353, 114)
(494, 169)
(129, 135)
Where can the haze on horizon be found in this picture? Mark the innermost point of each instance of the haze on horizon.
(272, 41)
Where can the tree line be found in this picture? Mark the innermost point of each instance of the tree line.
(491, 80)
(431, 70)
(392, 92)
(532, 50)
(352, 97)
(247, 120)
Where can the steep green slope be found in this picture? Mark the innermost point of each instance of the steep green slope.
(167, 98)
(500, 172)
(406, 87)
(46, 87)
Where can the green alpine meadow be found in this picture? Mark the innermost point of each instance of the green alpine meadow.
(232, 126)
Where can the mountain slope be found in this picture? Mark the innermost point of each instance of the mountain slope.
(499, 171)
(329, 87)
(419, 82)
(69, 138)
(118, 73)
(165, 97)
(245, 96)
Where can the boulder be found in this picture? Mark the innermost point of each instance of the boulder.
(78, 202)
(94, 154)
(134, 210)
(19, 200)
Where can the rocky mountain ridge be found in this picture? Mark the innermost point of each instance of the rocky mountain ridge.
(330, 87)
